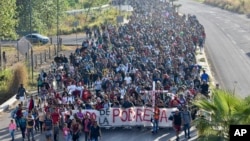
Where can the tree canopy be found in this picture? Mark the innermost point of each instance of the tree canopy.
(8, 19)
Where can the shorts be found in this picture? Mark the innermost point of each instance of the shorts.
(177, 128)
(48, 134)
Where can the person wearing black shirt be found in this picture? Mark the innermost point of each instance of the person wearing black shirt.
(95, 132)
(177, 122)
(204, 88)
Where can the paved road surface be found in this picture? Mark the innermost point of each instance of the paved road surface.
(118, 134)
(228, 44)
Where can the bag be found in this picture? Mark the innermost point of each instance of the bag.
(171, 117)
(17, 97)
(31, 123)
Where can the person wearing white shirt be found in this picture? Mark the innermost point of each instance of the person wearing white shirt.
(98, 85)
(71, 88)
(128, 79)
(79, 88)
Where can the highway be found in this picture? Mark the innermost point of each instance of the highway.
(227, 45)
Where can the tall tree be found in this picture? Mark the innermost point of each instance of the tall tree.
(8, 20)
(44, 14)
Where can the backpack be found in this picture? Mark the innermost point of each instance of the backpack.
(31, 123)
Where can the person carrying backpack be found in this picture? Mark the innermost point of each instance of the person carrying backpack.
(30, 127)
(22, 124)
(48, 126)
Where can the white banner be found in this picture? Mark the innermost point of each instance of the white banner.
(129, 117)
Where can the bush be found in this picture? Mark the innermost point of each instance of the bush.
(12, 80)
(20, 76)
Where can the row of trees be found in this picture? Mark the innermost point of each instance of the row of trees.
(16, 15)
(225, 109)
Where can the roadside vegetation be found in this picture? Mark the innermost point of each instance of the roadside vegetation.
(38, 16)
(10, 80)
(223, 109)
(237, 6)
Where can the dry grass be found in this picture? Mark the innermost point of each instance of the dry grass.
(19, 76)
(238, 6)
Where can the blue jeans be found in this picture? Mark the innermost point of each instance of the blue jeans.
(186, 129)
(155, 125)
(30, 132)
(94, 139)
(68, 137)
(12, 134)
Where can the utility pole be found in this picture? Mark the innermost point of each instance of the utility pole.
(32, 65)
(57, 27)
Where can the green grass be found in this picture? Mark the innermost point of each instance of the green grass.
(5, 76)
(94, 18)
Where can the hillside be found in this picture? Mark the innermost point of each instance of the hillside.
(238, 6)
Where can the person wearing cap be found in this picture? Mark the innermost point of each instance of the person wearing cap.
(177, 122)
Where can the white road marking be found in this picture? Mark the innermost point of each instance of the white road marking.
(233, 41)
(242, 51)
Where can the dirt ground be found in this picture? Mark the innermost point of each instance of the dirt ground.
(39, 61)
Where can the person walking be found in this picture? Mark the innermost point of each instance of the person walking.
(22, 124)
(95, 132)
(41, 118)
(56, 131)
(156, 119)
(12, 128)
(21, 93)
(48, 126)
(86, 124)
(186, 120)
(30, 128)
(66, 133)
(75, 128)
(177, 122)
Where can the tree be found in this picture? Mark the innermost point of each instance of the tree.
(44, 15)
(223, 109)
(8, 20)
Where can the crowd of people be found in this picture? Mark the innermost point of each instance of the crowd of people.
(114, 68)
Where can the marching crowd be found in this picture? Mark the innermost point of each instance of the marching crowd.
(116, 68)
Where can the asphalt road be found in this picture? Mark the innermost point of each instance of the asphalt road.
(117, 134)
(227, 45)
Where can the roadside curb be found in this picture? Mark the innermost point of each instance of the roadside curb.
(201, 59)
(11, 102)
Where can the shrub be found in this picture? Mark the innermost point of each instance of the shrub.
(20, 76)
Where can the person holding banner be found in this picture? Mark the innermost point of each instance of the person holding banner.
(156, 119)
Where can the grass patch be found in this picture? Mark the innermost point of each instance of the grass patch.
(94, 18)
(202, 60)
(69, 48)
(14, 77)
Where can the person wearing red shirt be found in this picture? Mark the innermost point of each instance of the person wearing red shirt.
(175, 102)
(55, 116)
(99, 104)
(86, 94)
